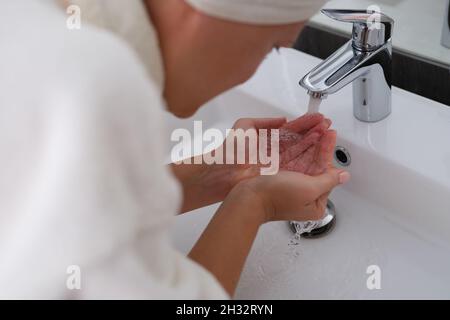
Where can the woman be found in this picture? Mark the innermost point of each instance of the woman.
(86, 203)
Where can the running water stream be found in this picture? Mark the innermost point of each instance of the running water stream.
(314, 104)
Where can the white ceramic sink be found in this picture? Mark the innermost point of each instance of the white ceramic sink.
(395, 212)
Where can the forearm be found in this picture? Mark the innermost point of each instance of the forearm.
(203, 184)
(224, 245)
(190, 178)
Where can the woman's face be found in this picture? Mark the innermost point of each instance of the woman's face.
(205, 56)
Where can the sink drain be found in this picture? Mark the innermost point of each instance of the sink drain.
(342, 156)
(315, 229)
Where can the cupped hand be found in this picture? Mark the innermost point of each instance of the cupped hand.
(301, 189)
(291, 195)
(306, 144)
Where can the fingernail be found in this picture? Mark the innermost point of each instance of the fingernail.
(344, 177)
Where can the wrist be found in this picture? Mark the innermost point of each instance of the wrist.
(186, 173)
(258, 206)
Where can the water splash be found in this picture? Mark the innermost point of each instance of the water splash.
(300, 228)
(305, 226)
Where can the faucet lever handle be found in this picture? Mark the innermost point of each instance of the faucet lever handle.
(371, 29)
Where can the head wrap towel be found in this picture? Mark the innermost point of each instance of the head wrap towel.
(259, 12)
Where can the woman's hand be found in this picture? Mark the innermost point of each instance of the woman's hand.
(291, 195)
(306, 146)
(300, 190)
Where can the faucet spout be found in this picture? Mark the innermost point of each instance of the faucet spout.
(367, 67)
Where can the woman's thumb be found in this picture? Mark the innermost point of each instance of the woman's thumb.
(331, 179)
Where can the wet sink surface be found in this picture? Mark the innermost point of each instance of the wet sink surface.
(395, 213)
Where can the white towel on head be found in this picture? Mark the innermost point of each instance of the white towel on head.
(260, 12)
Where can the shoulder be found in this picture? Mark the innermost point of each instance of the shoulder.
(88, 62)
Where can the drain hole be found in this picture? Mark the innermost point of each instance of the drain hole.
(342, 156)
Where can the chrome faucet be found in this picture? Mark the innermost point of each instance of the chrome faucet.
(366, 61)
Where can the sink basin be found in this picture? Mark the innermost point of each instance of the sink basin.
(394, 214)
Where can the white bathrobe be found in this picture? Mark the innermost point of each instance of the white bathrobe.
(86, 203)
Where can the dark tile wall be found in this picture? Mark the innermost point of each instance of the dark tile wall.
(420, 77)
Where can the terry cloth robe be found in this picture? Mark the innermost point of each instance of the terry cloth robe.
(86, 201)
